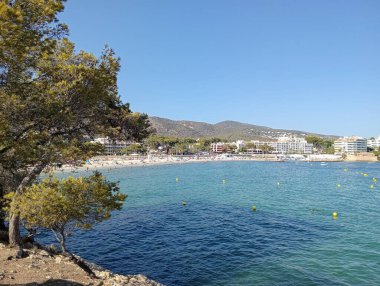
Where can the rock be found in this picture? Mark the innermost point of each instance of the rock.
(48, 277)
(103, 274)
(58, 259)
(28, 245)
(19, 254)
(44, 253)
(2, 275)
(33, 266)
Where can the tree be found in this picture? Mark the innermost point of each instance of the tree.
(64, 205)
(266, 148)
(377, 153)
(168, 143)
(322, 145)
(181, 148)
(53, 100)
(230, 147)
(315, 140)
(133, 148)
(250, 145)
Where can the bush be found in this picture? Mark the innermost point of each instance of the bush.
(64, 205)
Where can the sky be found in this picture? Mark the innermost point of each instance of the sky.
(289, 64)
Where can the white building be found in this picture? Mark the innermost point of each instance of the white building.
(374, 142)
(350, 145)
(288, 145)
(111, 147)
(239, 144)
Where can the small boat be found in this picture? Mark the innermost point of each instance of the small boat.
(323, 164)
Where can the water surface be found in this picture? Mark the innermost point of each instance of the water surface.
(216, 239)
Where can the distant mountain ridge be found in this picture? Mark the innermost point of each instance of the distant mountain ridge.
(230, 130)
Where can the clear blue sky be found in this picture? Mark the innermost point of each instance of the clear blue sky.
(306, 65)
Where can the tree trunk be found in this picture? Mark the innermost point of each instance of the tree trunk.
(14, 230)
(14, 217)
(2, 218)
(63, 242)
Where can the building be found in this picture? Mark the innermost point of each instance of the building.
(239, 144)
(374, 142)
(217, 147)
(288, 145)
(111, 147)
(350, 145)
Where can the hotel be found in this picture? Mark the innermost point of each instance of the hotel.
(350, 145)
(374, 143)
(288, 145)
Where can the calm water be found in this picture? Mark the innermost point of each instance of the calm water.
(216, 239)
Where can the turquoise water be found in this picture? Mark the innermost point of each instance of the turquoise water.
(216, 239)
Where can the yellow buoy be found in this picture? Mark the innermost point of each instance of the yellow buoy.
(374, 180)
(338, 185)
(177, 179)
(254, 208)
(372, 186)
(224, 181)
(335, 215)
(183, 203)
(365, 175)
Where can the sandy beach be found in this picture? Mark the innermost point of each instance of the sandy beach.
(113, 162)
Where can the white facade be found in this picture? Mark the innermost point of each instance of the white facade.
(374, 143)
(351, 145)
(239, 144)
(289, 145)
(111, 147)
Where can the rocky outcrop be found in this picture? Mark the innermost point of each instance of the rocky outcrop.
(42, 267)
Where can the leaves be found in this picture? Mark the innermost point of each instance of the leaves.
(64, 205)
(52, 99)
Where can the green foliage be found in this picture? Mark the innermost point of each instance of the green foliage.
(134, 148)
(322, 145)
(169, 144)
(181, 148)
(377, 153)
(266, 148)
(52, 98)
(250, 145)
(173, 145)
(230, 147)
(64, 205)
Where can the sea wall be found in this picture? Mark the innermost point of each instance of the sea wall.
(361, 157)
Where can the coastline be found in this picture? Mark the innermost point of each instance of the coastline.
(115, 162)
(39, 266)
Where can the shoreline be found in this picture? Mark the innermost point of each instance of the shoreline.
(40, 266)
(116, 162)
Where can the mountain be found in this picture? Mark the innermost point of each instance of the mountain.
(230, 130)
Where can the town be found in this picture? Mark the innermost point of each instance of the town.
(311, 148)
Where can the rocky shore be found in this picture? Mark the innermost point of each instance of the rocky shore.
(39, 266)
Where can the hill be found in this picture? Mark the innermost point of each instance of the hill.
(230, 130)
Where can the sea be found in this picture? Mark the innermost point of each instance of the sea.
(242, 223)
